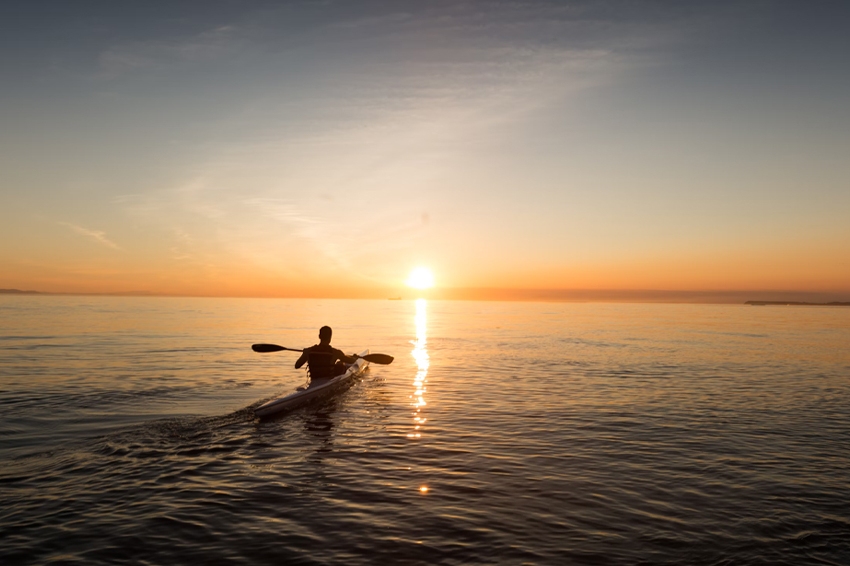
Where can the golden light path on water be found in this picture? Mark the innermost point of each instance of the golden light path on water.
(420, 354)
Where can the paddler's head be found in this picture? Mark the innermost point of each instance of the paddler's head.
(325, 334)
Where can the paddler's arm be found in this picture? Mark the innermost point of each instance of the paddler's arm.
(302, 360)
(347, 359)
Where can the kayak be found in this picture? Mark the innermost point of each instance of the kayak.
(321, 390)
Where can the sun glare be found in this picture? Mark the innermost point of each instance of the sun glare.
(420, 278)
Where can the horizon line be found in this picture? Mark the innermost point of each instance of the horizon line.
(497, 294)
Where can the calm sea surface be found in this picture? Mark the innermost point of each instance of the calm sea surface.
(503, 433)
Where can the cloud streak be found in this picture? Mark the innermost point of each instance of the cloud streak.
(97, 235)
(204, 47)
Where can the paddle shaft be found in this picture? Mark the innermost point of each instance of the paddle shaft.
(380, 359)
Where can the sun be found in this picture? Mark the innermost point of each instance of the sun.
(420, 278)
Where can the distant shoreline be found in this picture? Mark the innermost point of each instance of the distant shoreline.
(18, 292)
(72, 294)
(796, 303)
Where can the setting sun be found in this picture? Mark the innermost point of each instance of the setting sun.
(420, 278)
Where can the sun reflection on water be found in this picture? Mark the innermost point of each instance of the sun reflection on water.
(420, 354)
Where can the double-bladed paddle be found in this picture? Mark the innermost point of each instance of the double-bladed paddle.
(380, 359)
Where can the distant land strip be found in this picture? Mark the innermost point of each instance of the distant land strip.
(81, 294)
(730, 297)
(797, 303)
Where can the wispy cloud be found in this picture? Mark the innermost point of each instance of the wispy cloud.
(130, 56)
(97, 235)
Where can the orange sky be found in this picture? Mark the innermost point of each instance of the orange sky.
(242, 154)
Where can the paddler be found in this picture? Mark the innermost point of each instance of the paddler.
(323, 360)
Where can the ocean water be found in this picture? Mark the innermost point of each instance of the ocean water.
(503, 433)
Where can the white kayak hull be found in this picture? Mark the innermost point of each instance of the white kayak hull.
(315, 391)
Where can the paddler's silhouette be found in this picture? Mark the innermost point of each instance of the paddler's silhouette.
(323, 360)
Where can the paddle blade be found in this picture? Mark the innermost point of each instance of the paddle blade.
(267, 348)
(380, 359)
